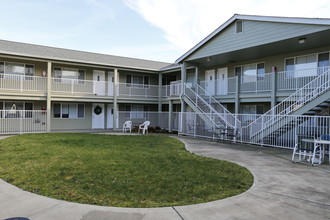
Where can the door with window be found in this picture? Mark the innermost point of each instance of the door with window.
(223, 81)
(110, 116)
(99, 82)
(97, 116)
(111, 80)
(209, 81)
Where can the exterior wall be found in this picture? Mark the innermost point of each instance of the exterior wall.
(76, 123)
(277, 61)
(254, 33)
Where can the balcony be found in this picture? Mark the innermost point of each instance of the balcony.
(82, 87)
(22, 83)
(285, 81)
(137, 90)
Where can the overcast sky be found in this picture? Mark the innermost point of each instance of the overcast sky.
(159, 30)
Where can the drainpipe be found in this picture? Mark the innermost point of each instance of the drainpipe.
(49, 90)
(183, 104)
(237, 101)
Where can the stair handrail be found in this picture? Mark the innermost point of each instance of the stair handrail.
(235, 126)
(237, 123)
(296, 100)
(184, 94)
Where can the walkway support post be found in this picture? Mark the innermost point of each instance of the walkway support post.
(49, 91)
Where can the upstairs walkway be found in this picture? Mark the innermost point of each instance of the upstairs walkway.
(281, 190)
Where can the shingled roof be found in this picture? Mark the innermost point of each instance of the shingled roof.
(60, 54)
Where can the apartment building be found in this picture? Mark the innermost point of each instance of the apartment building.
(250, 66)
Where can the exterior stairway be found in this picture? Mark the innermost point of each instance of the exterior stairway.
(211, 111)
(312, 98)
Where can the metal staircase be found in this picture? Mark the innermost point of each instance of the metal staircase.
(312, 98)
(211, 110)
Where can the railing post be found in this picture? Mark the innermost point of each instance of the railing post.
(21, 83)
(71, 86)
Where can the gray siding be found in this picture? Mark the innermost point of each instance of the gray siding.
(254, 33)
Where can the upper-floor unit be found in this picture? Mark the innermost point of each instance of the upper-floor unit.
(258, 59)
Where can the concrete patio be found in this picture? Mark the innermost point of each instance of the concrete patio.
(281, 190)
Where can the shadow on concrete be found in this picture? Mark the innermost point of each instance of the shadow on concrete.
(17, 218)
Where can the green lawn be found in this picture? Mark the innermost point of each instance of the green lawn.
(125, 171)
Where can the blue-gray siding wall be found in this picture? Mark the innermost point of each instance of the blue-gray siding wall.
(254, 33)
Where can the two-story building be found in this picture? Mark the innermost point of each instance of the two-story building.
(249, 66)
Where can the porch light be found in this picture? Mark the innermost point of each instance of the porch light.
(302, 40)
(208, 59)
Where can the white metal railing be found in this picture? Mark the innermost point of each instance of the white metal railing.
(214, 106)
(192, 124)
(203, 101)
(297, 100)
(232, 85)
(137, 90)
(77, 86)
(176, 88)
(22, 121)
(23, 83)
(157, 119)
(261, 84)
(166, 91)
(295, 79)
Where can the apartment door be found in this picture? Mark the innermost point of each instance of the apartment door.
(209, 81)
(111, 80)
(97, 116)
(110, 116)
(99, 82)
(223, 81)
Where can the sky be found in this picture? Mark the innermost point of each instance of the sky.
(160, 30)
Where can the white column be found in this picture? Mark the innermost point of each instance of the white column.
(115, 106)
(170, 116)
(49, 90)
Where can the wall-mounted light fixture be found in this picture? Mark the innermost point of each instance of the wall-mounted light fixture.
(302, 40)
(208, 59)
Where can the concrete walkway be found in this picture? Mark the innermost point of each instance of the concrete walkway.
(282, 190)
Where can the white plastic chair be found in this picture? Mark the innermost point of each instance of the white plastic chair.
(127, 126)
(144, 127)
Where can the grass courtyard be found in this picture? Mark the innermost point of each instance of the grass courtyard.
(123, 171)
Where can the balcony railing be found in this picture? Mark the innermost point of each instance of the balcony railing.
(23, 83)
(22, 121)
(138, 90)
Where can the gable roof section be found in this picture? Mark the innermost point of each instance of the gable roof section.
(59, 54)
(288, 20)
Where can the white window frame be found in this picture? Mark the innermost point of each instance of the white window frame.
(305, 55)
(69, 80)
(3, 105)
(256, 71)
(28, 77)
(236, 23)
(137, 85)
(69, 103)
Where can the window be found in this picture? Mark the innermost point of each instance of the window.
(137, 81)
(2, 68)
(251, 72)
(14, 109)
(68, 110)
(308, 65)
(137, 111)
(69, 74)
(239, 27)
(13, 69)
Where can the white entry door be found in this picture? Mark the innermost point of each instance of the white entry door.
(99, 82)
(209, 81)
(223, 81)
(111, 80)
(98, 116)
(110, 116)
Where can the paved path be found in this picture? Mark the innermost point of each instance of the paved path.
(282, 190)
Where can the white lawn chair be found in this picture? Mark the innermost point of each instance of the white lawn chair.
(144, 127)
(127, 126)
